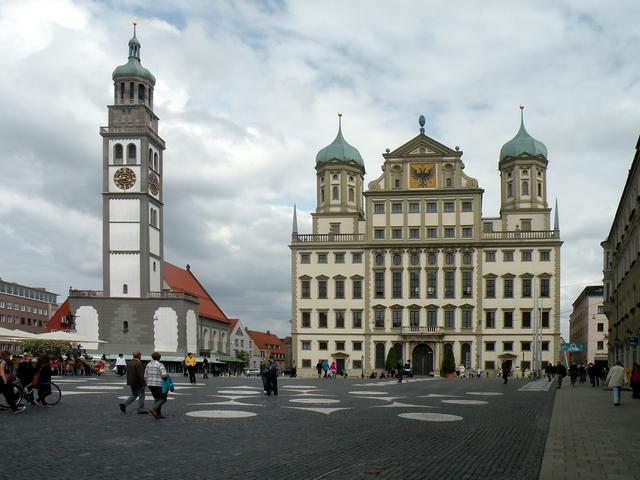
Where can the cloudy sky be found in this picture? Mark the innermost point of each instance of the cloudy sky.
(247, 93)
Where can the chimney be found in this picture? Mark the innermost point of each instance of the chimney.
(268, 332)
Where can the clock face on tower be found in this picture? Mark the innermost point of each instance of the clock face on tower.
(124, 178)
(154, 183)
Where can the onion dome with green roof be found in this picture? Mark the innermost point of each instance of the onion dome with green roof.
(133, 68)
(523, 144)
(339, 151)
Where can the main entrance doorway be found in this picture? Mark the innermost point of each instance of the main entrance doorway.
(422, 360)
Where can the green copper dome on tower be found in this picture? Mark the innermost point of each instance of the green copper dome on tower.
(523, 143)
(339, 151)
(133, 68)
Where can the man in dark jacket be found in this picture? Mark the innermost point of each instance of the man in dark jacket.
(561, 372)
(25, 372)
(506, 370)
(136, 381)
(272, 378)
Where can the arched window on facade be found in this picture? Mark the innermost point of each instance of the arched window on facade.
(131, 154)
(131, 92)
(155, 162)
(322, 195)
(352, 194)
(150, 158)
(334, 193)
(380, 355)
(125, 288)
(150, 98)
(509, 190)
(141, 93)
(122, 91)
(125, 326)
(525, 188)
(449, 182)
(118, 153)
(539, 189)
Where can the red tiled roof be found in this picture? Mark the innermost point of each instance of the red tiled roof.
(262, 339)
(232, 324)
(55, 322)
(180, 280)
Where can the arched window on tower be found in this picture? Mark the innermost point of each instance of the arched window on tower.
(539, 189)
(125, 326)
(322, 195)
(334, 193)
(525, 188)
(352, 194)
(509, 190)
(131, 154)
(125, 289)
(118, 154)
(155, 162)
(130, 92)
(141, 93)
(448, 182)
(121, 92)
(150, 158)
(150, 98)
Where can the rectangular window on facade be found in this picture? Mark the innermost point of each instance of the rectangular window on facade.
(467, 206)
(322, 289)
(340, 346)
(449, 284)
(356, 318)
(489, 256)
(490, 346)
(526, 255)
(507, 318)
(545, 256)
(323, 345)
(600, 327)
(432, 283)
(378, 234)
(487, 227)
(322, 320)
(490, 319)
(339, 318)
(449, 319)
(414, 233)
(339, 257)
(306, 319)
(544, 287)
(507, 256)
(600, 309)
(378, 208)
(305, 258)
(432, 232)
(356, 346)
(545, 346)
(432, 207)
(305, 289)
(490, 287)
(396, 233)
(545, 319)
(379, 283)
(357, 288)
(396, 318)
(414, 207)
(448, 207)
(467, 283)
(600, 345)
(449, 232)
(508, 287)
(414, 284)
(489, 365)
(467, 232)
(525, 225)
(339, 288)
(526, 288)
(414, 318)
(322, 258)
(356, 258)
(378, 318)
(396, 208)
(507, 346)
(467, 318)
(396, 284)
(526, 319)
(306, 363)
(306, 344)
(526, 346)
(432, 318)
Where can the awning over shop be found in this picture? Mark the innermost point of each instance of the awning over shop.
(229, 359)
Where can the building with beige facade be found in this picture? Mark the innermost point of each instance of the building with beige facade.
(622, 272)
(411, 264)
(589, 325)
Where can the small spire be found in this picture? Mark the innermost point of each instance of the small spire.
(134, 20)
(294, 227)
(421, 122)
(556, 220)
(339, 121)
(521, 115)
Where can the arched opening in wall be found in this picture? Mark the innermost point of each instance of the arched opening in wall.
(131, 92)
(125, 289)
(131, 154)
(422, 360)
(525, 188)
(396, 183)
(449, 182)
(352, 195)
(121, 91)
(118, 153)
(141, 93)
(151, 98)
(155, 162)
(322, 195)
(223, 337)
(465, 355)
(125, 327)
(154, 266)
(214, 341)
(509, 190)
(398, 348)
(539, 189)
(334, 193)
(150, 158)
(379, 363)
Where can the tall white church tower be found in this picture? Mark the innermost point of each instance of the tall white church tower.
(132, 184)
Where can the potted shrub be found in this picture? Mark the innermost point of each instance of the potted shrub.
(448, 362)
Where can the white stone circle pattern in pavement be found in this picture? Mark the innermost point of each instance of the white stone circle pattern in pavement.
(220, 414)
(430, 417)
(465, 402)
(369, 392)
(485, 393)
(235, 392)
(314, 400)
(102, 387)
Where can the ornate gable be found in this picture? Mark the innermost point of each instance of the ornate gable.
(422, 146)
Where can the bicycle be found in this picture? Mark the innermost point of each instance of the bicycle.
(22, 393)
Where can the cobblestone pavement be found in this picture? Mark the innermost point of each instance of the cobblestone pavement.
(314, 429)
(589, 438)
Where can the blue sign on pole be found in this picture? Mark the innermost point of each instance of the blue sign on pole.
(572, 347)
(633, 341)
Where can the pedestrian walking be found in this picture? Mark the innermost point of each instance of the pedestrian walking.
(635, 381)
(548, 370)
(264, 369)
(272, 378)
(561, 372)
(573, 374)
(506, 369)
(42, 379)
(615, 380)
(120, 364)
(334, 370)
(407, 371)
(479, 372)
(136, 382)
(190, 363)
(205, 368)
(319, 368)
(462, 369)
(5, 383)
(400, 370)
(325, 368)
(154, 374)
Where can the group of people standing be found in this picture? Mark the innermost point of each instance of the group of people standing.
(269, 374)
(155, 377)
(325, 370)
(30, 371)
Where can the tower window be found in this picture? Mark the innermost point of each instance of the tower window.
(121, 90)
(150, 158)
(131, 92)
(525, 188)
(397, 183)
(335, 178)
(334, 193)
(155, 162)
(352, 195)
(125, 326)
(539, 189)
(131, 154)
(154, 266)
(448, 182)
(125, 288)
(322, 195)
(141, 93)
(118, 153)
(509, 190)
(150, 98)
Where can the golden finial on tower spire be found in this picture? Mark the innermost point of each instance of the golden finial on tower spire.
(134, 20)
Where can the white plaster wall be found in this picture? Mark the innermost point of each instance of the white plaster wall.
(379, 220)
(154, 241)
(112, 186)
(192, 332)
(448, 219)
(124, 236)
(396, 219)
(165, 330)
(125, 269)
(124, 210)
(431, 219)
(466, 218)
(413, 219)
(346, 224)
(87, 325)
(155, 285)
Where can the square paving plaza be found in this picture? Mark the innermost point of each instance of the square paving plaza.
(344, 428)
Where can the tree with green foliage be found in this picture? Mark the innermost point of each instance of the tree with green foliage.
(53, 349)
(448, 361)
(243, 355)
(392, 360)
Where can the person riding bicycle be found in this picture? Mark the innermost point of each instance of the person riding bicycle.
(25, 372)
(42, 379)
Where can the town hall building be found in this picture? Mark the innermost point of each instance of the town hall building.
(411, 263)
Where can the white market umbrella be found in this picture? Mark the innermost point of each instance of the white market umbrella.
(68, 337)
(9, 334)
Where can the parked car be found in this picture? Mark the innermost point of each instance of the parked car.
(252, 372)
